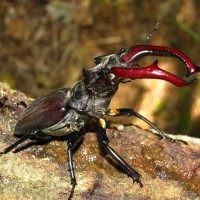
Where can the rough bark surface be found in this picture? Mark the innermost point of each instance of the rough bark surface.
(170, 170)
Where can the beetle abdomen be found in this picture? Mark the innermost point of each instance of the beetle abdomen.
(44, 112)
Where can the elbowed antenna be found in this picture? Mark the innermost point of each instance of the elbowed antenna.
(152, 32)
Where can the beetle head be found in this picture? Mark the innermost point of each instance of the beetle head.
(102, 73)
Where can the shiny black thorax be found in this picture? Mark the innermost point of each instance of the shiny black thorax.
(93, 102)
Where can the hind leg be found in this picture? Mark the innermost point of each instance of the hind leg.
(21, 140)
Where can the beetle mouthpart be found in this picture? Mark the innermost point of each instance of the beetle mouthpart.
(194, 69)
(150, 72)
(137, 52)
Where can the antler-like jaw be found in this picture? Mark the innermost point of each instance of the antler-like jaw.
(130, 57)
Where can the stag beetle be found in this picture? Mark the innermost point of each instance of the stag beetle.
(66, 111)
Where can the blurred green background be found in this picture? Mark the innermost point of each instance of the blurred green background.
(45, 44)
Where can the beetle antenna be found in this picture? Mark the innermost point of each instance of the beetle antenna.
(152, 32)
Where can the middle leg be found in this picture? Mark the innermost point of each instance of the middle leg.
(71, 143)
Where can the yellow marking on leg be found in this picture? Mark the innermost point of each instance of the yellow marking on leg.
(113, 112)
(102, 122)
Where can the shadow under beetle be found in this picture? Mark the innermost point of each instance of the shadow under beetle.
(66, 111)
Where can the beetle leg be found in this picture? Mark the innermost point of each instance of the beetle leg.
(104, 142)
(12, 146)
(71, 143)
(129, 112)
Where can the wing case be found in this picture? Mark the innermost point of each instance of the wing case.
(43, 112)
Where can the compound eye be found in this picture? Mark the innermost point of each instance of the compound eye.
(111, 78)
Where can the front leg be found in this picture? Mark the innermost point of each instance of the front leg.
(129, 112)
(71, 144)
(103, 139)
